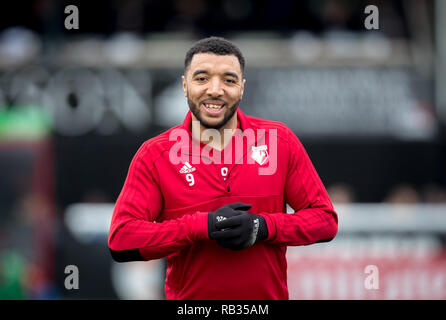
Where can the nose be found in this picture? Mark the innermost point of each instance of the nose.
(215, 88)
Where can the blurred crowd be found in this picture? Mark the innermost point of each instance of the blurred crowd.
(26, 250)
(203, 16)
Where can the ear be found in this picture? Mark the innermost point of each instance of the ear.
(242, 87)
(183, 79)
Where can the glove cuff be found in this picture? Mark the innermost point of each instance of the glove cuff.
(262, 234)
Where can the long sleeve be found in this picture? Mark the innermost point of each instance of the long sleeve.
(134, 233)
(314, 219)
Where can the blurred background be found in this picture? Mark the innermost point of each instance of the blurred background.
(369, 105)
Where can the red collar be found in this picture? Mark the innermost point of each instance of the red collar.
(243, 123)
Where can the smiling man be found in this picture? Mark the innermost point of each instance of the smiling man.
(213, 85)
(222, 226)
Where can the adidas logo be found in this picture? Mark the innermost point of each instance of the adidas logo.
(221, 218)
(187, 168)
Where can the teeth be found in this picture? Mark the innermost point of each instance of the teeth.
(213, 106)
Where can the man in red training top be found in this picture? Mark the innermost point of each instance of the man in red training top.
(210, 194)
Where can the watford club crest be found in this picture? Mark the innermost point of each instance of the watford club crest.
(260, 154)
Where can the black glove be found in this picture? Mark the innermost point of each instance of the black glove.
(240, 231)
(223, 213)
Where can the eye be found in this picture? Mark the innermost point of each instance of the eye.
(231, 81)
(200, 79)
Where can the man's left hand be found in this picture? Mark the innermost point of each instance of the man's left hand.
(241, 231)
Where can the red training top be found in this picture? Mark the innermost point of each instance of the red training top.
(162, 210)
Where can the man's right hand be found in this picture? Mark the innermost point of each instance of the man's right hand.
(223, 213)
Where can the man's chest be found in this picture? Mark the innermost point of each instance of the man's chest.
(200, 179)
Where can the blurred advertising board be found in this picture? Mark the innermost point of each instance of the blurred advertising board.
(385, 252)
(320, 101)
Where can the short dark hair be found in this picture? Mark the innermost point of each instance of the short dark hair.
(216, 45)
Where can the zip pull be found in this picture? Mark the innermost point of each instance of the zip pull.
(228, 189)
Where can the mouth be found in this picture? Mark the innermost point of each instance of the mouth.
(213, 108)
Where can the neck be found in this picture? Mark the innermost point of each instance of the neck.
(216, 138)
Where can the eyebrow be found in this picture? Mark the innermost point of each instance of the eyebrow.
(199, 71)
(231, 74)
(227, 73)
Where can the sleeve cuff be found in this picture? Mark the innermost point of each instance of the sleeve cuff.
(200, 226)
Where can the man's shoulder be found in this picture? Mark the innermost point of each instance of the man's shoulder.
(273, 127)
(155, 146)
(163, 138)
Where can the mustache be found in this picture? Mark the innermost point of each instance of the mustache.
(213, 101)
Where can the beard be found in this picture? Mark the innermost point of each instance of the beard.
(229, 113)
